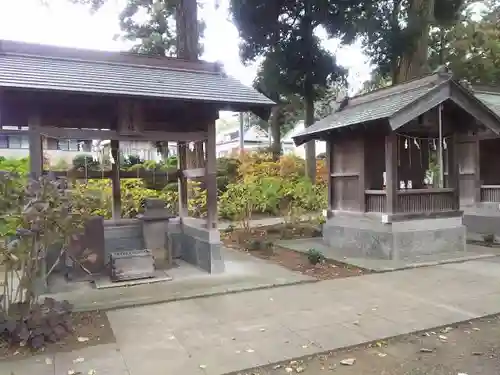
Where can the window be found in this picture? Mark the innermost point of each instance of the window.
(18, 141)
(4, 141)
(68, 145)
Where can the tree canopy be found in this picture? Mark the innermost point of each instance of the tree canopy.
(295, 64)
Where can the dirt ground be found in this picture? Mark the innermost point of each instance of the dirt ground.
(467, 349)
(90, 328)
(292, 260)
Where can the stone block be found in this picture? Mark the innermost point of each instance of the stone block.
(370, 238)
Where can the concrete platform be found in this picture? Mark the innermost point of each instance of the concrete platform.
(230, 333)
(471, 252)
(242, 272)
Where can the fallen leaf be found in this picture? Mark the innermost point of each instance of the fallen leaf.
(348, 361)
(203, 366)
(425, 350)
(477, 353)
(442, 338)
(299, 369)
(71, 372)
(82, 339)
(79, 360)
(250, 350)
(48, 361)
(356, 323)
(288, 370)
(263, 330)
(475, 329)
(382, 355)
(304, 346)
(275, 367)
(92, 372)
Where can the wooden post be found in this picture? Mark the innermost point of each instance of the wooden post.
(477, 170)
(35, 147)
(453, 171)
(211, 178)
(182, 180)
(391, 173)
(362, 175)
(115, 180)
(329, 171)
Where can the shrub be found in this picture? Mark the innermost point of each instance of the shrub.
(315, 256)
(80, 162)
(49, 321)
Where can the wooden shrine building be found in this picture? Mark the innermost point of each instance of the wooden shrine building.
(393, 160)
(84, 94)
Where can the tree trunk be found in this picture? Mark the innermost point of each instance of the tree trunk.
(413, 62)
(275, 129)
(309, 93)
(311, 145)
(186, 19)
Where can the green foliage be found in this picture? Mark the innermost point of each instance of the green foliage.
(470, 48)
(84, 161)
(393, 29)
(20, 166)
(61, 165)
(315, 256)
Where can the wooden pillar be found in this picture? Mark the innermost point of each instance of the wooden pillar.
(182, 180)
(211, 178)
(391, 173)
(35, 146)
(362, 175)
(477, 170)
(329, 181)
(115, 180)
(453, 170)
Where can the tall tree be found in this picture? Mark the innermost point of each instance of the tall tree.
(282, 32)
(397, 33)
(471, 47)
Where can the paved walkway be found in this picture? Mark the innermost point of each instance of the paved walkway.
(216, 335)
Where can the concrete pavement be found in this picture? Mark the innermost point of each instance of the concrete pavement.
(221, 334)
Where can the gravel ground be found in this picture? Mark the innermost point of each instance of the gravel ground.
(468, 349)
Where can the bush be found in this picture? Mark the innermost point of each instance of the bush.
(80, 162)
(315, 256)
(49, 321)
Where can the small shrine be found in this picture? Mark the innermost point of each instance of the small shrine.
(393, 163)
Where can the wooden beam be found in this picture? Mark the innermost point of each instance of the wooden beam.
(391, 173)
(211, 178)
(115, 180)
(477, 170)
(35, 147)
(55, 132)
(182, 183)
(194, 173)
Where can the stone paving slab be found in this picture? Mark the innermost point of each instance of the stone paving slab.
(473, 252)
(243, 273)
(221, 334)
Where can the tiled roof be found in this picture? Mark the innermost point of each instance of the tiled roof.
(376, 105)
(38, 67)
(491, 99)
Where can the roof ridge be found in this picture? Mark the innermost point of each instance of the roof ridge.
(400, 85)
(109, 63)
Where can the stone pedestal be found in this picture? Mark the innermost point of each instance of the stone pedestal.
(190, 240)
(154, 228)
(363, 236)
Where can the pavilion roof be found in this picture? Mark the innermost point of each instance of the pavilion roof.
(48, 68)
(397, 104)
(490, 97)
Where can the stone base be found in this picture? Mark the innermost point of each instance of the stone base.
(481, 221)
(122, 235)
(190, 241)
(404, 240)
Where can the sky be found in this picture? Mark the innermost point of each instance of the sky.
(65, 24)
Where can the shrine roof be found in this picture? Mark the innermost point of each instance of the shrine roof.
(397, 104)
(35, 67)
